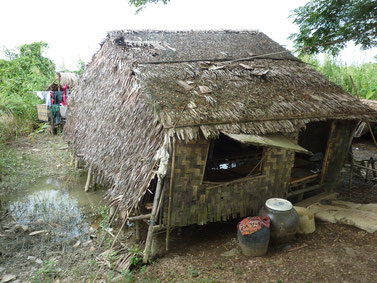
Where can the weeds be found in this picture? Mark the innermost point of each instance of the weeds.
(47, 273)
(364, 76)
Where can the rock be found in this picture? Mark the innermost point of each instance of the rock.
(350, 251)
(78, 243)
(8, 278)
(2, 269)
(231, 253)
(17, 228)
(39, 261)
(25, 228)
(30, 257)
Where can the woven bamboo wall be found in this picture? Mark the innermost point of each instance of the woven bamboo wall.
(338, 147)
(197, 203)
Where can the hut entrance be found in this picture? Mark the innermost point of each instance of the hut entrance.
(229, 160)
(307, 169)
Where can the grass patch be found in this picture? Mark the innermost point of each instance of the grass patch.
(27, 159)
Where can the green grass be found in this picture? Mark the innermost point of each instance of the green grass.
(364, 76)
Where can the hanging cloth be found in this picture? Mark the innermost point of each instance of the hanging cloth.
(49, 99)
(64, 100)
(250, 225)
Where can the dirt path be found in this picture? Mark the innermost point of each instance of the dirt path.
(334, 253)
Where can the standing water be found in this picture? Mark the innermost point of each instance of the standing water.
(63, 211)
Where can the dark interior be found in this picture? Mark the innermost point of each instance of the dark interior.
(230, 160)
(314, 138)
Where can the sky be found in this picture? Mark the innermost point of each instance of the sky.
(74, 28)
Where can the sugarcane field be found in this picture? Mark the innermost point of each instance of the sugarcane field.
(187, 141)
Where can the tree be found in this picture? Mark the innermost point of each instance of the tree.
(24, 70)
(141, 4)
(327, 25)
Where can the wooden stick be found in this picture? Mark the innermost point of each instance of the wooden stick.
(373, 164)
(354, 87)
(327, 153)
(371, 133)
(297, 248)
(140, 217)
(88, 179)
(258, 164)
(148, 243)
(304, 179)
(364, 167)
(350, 177)
(170, 196)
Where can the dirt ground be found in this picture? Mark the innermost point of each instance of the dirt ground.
(333, 253)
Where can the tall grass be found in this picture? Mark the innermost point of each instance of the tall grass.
(364, 76)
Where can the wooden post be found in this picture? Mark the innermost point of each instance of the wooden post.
(154, 248)
(88, 180)
(350, 177)
(152, 221)
(170, 196)
(366, 164)
(372, 162)
(327, 153)
(137, 231)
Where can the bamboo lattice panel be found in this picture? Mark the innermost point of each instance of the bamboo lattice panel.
(197, 203)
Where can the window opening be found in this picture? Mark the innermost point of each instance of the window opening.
(231, 160)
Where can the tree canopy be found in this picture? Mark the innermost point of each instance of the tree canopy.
(25, 69)
(327, 25)
(141, 4)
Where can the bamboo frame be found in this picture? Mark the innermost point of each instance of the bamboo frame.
(88, 179)
(170, 195)
(327, 154)
(148, 242)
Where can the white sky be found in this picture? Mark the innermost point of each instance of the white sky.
(74, 28)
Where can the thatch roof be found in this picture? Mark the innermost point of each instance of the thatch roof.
(67, 78)
(370, 103)
(142, 85)
(63, 78)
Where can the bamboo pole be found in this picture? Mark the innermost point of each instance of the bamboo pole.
(371, 133)
(88, 179)
(327, 153)
(170, 196)
(148, 243)
(140, 217)
(365, 167)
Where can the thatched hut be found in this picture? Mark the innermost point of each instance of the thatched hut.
(207, 125)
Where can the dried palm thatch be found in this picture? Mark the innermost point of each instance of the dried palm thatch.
(144, 86)
(370, 103)
(62, 79)
(67, 78)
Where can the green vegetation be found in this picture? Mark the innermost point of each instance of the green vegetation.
(141, 4)
(364, 76)
(24, 70)
(47, 273)
(327, 25)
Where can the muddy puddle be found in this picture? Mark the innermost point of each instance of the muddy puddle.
(63, 212)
